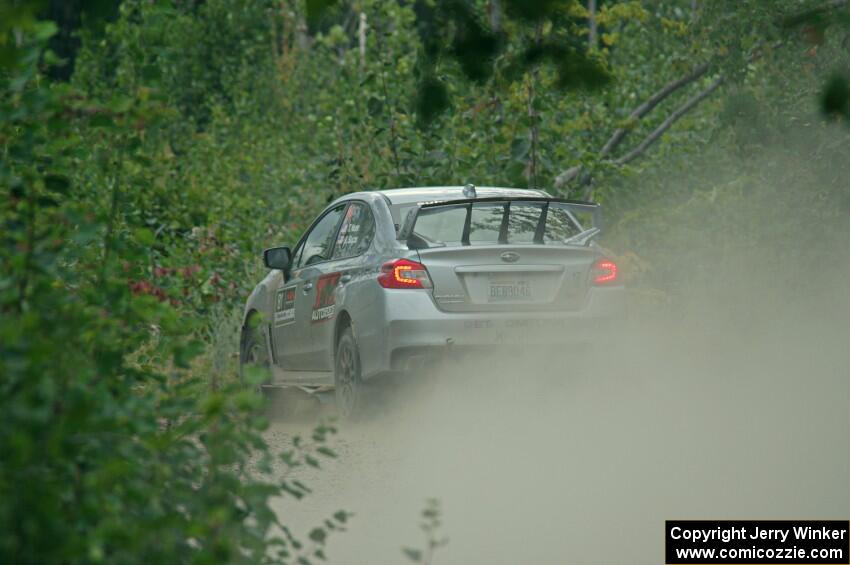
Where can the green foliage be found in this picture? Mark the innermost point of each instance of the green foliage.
(456, 33)
(138, 196)
(115, 448)
(836, 96)
(430, 526)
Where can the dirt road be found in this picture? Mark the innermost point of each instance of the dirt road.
(548, 461)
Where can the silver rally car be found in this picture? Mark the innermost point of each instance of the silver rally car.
(382, 282)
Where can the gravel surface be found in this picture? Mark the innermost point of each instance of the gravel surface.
(568, 460)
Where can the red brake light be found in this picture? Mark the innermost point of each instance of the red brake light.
(604, 271)
(404, 273)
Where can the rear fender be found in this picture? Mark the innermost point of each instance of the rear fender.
(342, 320)
(367, 327)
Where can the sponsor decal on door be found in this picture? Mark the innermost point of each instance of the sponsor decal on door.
(325, 305)
(284, 306)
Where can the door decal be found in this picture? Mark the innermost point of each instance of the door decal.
(284, 306)
(325, 305)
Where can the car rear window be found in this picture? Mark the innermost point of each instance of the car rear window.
(443, 225)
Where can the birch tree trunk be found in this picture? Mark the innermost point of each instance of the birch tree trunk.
(361, 37)
(592, 32)
(495, 9)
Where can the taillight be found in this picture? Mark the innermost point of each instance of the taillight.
(604, 271)
(404, 273)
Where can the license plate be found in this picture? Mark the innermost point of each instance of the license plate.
(509, 291)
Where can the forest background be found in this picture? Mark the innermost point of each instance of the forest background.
(152, 149)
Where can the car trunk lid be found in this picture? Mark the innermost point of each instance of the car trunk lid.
(502, 254)
(508, 278)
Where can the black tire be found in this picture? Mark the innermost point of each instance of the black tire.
(348, 386)
(253, 352)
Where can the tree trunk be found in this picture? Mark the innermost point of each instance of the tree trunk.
(361, 36)
(592, 32)
(533, 132)
(532, 168)
(495, 9)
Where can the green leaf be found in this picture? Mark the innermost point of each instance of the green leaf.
(520, 148)
(835, 100)
(144, 236)
(57, 183)
(341, 516)
(45, 29)
(432, 99)
(374, 106)
(185, 353)
(318, 535)
(316, 9)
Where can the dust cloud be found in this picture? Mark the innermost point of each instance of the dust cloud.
(731, 403)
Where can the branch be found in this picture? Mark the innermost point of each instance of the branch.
(651, 103)
(572, 173)
(568, 176)
(671, 119)
(584, 177)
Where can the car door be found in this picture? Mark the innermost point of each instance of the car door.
(353, 239)
(295, 298)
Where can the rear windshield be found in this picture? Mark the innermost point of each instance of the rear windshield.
(443, 225)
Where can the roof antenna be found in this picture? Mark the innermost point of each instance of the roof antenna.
(469, 191)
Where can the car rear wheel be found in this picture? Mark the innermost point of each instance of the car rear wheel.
(348, 387)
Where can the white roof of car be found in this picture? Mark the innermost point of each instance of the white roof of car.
(423, 193)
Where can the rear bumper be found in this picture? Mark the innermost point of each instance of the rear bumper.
(415, 329)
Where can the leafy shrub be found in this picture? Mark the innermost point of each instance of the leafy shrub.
(113, 449)
(137, 197)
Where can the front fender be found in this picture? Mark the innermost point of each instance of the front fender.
(261, 299)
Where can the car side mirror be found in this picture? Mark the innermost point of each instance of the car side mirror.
(277, 258)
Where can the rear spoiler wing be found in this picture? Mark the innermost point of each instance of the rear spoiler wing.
(574, 206)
